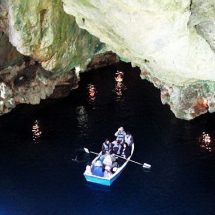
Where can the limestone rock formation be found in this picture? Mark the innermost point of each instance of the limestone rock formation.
(171, 41)
(9, 55)
(56, 47)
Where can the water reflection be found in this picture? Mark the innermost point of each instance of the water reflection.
(98, 189)
(83, 121)
(206, 143)
(119, 85)
(36, 130)
(80, 156)
(91, 94)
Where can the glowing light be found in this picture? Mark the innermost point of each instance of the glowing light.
(92, 93)
(36, 131)
(92, 90)
(119, 86)
(119, 76)
(206, 143)
(205, 102)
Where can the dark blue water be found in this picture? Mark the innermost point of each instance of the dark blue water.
(38, 175)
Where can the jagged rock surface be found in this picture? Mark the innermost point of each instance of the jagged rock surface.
(57, 48)
(172, 42)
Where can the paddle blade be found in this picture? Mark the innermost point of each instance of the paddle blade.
(145, 165)
(86, 150)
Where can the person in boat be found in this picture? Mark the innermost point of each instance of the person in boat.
(106, 147)
(107, 160)
(117, 150)
(110, 160)
(117, 147)
(97, 169)
(125, 151)
(129, 140)
(107, 172)
(88, 170)
(120, 134)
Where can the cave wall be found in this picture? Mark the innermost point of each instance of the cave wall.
(43, 31)
(42, 52)
(154, 35)
(172, 42)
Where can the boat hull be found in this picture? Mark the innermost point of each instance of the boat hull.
(110, 180)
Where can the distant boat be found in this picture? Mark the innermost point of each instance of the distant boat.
(106, 180)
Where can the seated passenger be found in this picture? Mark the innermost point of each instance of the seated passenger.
(106, 147)
(125, 151)
(117, 147)
(88, 170)
(107, 172)
(97, 169)
(107, 160)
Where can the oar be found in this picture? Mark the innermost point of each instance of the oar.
(87, 151)
(145, 165)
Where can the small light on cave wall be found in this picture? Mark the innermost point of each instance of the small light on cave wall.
(205, 102)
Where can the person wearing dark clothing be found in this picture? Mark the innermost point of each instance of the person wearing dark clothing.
(117, 150)
(117, 147)
(106, 147)
(125, 151)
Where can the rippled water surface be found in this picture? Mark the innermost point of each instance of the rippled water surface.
(39, 145)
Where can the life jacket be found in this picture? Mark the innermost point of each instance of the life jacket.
(117, 148)
(107, 147)
(128, 140)
(121, 135)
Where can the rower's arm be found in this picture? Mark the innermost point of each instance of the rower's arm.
(116, 134)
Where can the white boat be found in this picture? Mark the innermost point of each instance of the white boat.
(106, 180)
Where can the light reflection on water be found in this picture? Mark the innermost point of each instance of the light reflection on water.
(83, 121)
(92, 94)
(206, 143)
(36, 130)
(119, 85)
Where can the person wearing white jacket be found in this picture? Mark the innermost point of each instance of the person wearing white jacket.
(129, 138)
